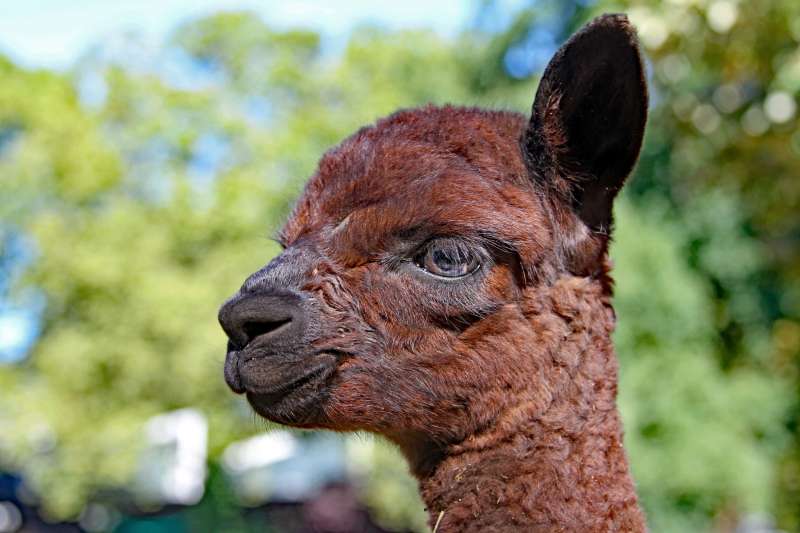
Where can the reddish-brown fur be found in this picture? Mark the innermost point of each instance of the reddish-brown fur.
(499, 387)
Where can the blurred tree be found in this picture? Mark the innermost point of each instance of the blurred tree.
(145, 188)
(143, 185)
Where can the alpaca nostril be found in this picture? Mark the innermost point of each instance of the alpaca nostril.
(257, 329)
(277, 318)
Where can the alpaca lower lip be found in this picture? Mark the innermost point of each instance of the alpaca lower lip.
(273, 377)
(249, 358)
(280, 386)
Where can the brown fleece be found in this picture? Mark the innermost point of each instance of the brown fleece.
(553, 458)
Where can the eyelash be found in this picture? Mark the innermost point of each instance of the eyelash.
(404, 257)
(455, 248)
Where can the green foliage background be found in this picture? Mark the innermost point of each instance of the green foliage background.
(132, 202)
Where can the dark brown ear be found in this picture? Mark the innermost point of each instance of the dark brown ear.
(588, 118)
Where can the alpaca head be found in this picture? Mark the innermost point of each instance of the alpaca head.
(398, 304)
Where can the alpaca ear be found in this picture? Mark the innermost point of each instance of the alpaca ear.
(588, 118)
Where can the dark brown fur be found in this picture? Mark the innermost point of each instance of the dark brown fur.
(500, 387)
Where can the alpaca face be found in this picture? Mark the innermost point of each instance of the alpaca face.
(405, 253)
(399, 302)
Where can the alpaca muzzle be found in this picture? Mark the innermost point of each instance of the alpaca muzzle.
(268, 335)
(270, 356)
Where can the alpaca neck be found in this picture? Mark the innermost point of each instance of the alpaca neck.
(550, 460)
(552, 482)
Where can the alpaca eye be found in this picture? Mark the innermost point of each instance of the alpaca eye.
(448, 261)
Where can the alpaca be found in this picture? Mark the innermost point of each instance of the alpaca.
(444, 282)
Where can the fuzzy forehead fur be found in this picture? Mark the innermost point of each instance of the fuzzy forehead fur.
(438, 170)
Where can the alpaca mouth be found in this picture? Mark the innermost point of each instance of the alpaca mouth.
(283, 389)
